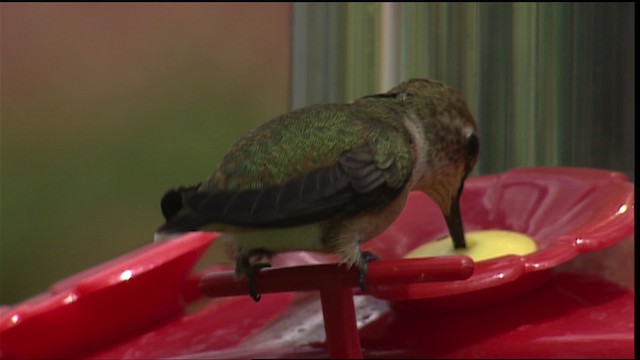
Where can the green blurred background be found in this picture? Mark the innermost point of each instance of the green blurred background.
(106, 106)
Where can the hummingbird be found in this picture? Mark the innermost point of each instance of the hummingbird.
(329, 177)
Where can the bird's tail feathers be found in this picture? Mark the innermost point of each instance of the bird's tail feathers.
(179, 218)
(173, 200)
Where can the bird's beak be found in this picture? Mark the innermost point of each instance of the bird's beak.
(454, 222)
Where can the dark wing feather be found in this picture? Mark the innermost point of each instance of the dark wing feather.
(172, 201)
(353, 184)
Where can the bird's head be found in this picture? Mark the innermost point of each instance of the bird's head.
(450, 145)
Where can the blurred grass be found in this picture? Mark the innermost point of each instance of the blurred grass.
(90, 141)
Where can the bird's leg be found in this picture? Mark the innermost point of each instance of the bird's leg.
(250, 264)
(365, 258)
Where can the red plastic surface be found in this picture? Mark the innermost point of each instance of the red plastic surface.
(122, 298)
(134, 306)
(573, 316)
(335, 284)
(381, 272)
(218, 325)
(103, 304)
(567, 211)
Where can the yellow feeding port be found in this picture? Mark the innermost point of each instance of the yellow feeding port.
(481, 245)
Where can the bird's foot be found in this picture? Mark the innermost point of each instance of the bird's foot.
(253, 262)
(251, 280)
(366, 257)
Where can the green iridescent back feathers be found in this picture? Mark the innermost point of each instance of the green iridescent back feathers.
(295, 143)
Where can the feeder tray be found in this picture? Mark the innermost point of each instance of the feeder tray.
(135, 306)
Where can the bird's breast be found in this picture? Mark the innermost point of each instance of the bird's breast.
(298, 238)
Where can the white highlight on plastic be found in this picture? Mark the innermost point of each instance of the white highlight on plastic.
(70, 298)
(126, 275)
(623, 209)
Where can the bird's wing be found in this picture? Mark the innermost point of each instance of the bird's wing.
(350, 160)
(354, 183)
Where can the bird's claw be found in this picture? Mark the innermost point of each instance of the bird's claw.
(251, 264)
(251, 280)
(366, 257)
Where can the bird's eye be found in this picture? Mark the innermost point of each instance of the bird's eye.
(472, 146)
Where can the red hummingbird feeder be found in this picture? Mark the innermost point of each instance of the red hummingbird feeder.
(149, 304)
